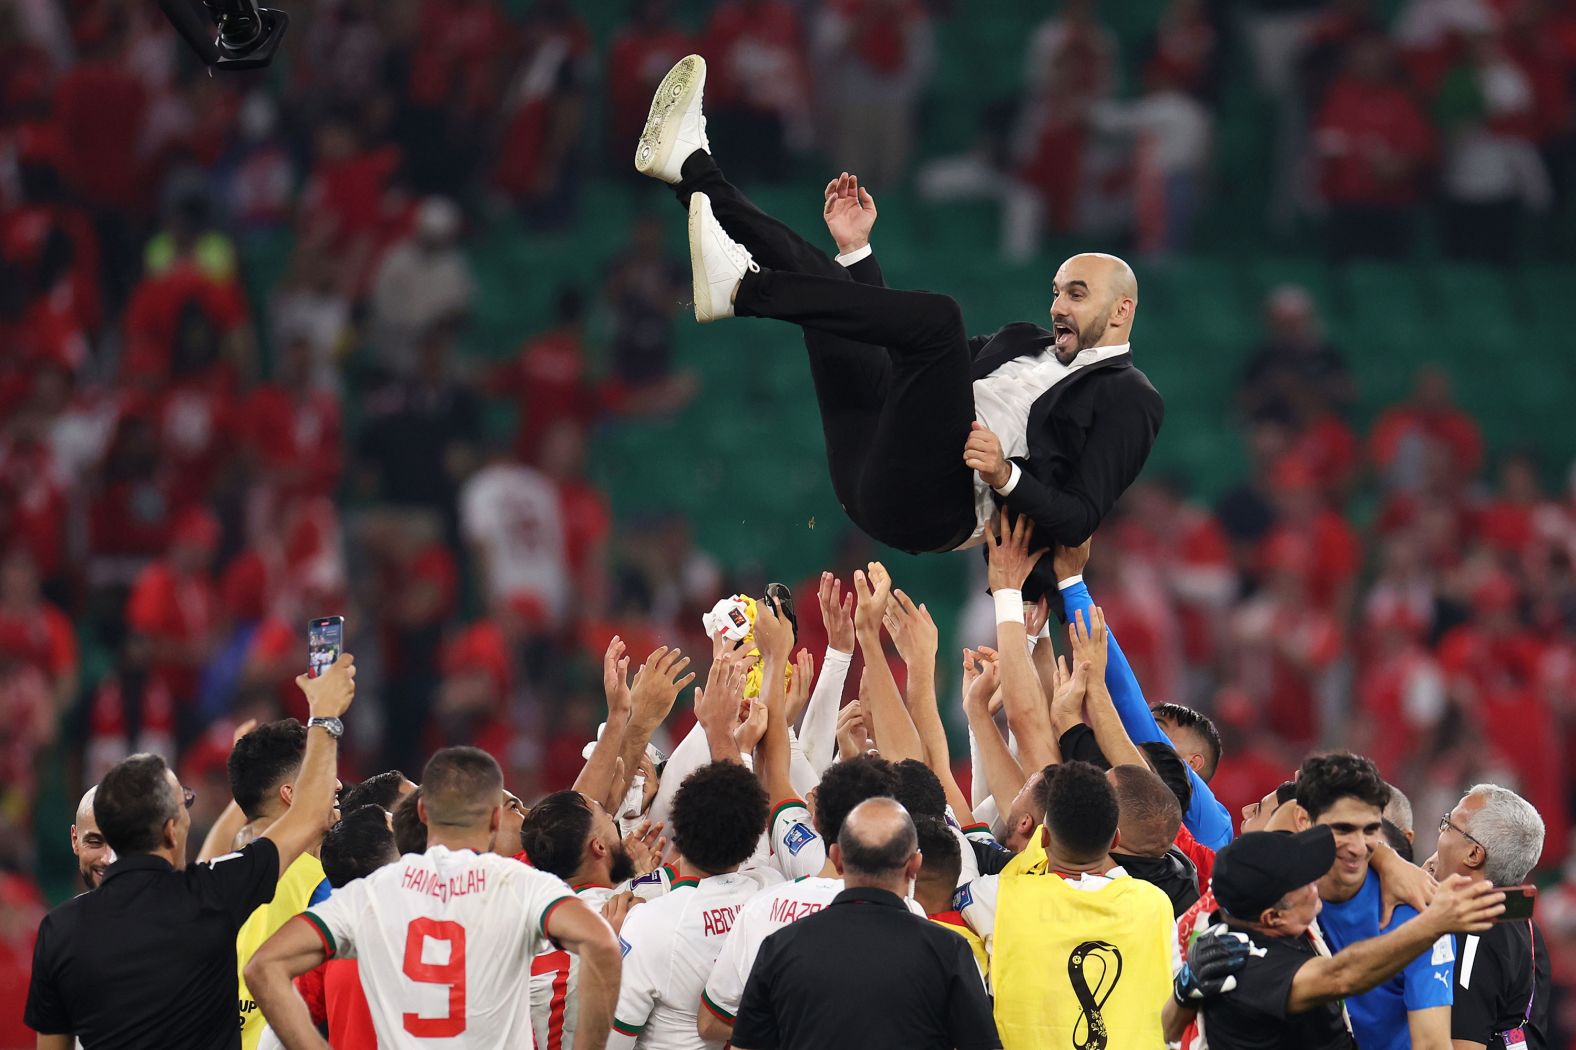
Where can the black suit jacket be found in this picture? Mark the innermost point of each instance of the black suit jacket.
(1088, 437)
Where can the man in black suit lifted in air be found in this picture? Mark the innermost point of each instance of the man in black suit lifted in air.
(927, 430)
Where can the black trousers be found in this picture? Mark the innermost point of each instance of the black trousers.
(890, 368)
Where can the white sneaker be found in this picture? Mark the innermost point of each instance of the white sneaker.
(717, 262)
(675, 127)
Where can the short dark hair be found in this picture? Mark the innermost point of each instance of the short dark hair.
(461, 786)
(847, 783)
(1326, 779)
(555, 831)
(1081, 811)
(718, 815)
(381, 790)
(410, 834)
(877, 858)
(920, 790)
(132, 803)
(1287, 792)
(1187, 718)
(1171, 768)
(358, 845)
(1397, 839)
(263, 759)
(943, 858)
(1040, 793)
(1144, 799)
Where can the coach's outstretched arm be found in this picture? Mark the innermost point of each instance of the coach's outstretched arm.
(312, 809)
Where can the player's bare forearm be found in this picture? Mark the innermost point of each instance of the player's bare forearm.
(889, 719)
(775, 751)
(1109, 733)
(55, 1042)
(1174, 1019)
(597, 777)
(271, 974)
(1003, 776)
(1028, 715)
(599, 981)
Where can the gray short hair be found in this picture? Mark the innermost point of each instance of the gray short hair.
(1510, 831)
(1398, 810)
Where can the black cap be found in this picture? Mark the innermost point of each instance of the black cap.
(1261, 867)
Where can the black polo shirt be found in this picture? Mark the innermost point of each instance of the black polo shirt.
(1253, 1015)
(867, 973)
(1502, 977)
(148, 958)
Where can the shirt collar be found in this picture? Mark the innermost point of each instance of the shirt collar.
(136, 862)
(1095, 354)
(869, 895)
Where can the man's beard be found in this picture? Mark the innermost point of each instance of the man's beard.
(90, 878)
(623, 868)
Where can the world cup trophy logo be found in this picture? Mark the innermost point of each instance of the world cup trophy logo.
(1094, 967)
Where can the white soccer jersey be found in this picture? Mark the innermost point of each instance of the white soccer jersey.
(763, 915)
(555, 974)
(670, 946)
(796, 847)
(445, 941)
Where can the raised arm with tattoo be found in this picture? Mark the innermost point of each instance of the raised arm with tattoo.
(884, 710)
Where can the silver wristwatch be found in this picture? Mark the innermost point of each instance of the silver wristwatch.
(334, 727)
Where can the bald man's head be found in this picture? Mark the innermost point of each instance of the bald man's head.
(93, 854)
(877, 843)
(1094, 298)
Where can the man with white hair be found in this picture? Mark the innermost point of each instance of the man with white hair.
(1502, 988)
(94, 855)
(927, 430)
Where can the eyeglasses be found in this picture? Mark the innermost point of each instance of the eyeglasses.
(188, 796)
(1445, 822)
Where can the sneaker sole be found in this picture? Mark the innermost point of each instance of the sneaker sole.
(653, 150)
(700, 286)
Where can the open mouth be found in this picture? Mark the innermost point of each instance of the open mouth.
(1066, 335)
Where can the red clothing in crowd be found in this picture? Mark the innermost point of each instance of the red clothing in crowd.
(1360, 121)
(173, 609)
(550, 384)
(296, 437)
(1450, 427)
(746, 43)
(153, 316)
(335, 999)
(33, 503)
(102, 108)
(41, 637)
(463, 45)
(878, 31)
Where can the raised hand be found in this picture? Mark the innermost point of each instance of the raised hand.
(1071, 685)
(752, 726)
(616, 909)
(1036, 616)
(773, 634)
(912, 630)
(1070, 561)
(837, 613)
(1213, 962)
(658, 684)
(615, 678)
(850, 213)
(1088, 641)
(645, 846)
(717, 705)
(1007, 551)
(1465, 905)
(799, 684)
(872, 590)
(853, 737)
(981, 676)
(982, 452)
(330, 693)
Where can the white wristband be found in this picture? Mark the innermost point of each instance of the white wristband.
(1009, 605)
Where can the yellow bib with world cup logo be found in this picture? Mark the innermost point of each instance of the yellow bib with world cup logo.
(1079, 969)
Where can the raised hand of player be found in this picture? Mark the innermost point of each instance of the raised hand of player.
(850, 213)
(1036, 616)
(1070, 685)
(912, 630)
(717, 705)
(615, 679)
(1070, 561)
(800, 684)
(330, 693)
(1088, 637)
(981, 676)
(872, 591)
(752, 726)
(982, 452)
(837, 613)
(1007, 552)
(853, 738)
(773, 634)
(657, 686)
(1465, 905)
(645, 846)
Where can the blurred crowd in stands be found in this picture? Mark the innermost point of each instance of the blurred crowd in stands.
(189, 469)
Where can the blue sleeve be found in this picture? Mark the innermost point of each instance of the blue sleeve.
(320, 894)
(1428, 980)
(1205, 818)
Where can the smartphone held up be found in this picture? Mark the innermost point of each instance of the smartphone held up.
(325, 641)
